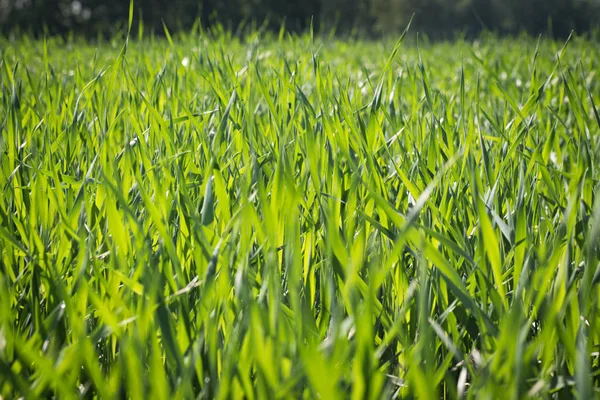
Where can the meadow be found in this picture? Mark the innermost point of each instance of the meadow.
(278, 216)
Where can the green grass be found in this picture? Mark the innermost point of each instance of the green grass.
(299, 217)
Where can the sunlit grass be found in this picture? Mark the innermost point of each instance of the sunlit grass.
(299, 217)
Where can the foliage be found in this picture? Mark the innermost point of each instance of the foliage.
(436, 18)
(297, 218)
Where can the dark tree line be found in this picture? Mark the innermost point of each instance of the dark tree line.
(437, 18)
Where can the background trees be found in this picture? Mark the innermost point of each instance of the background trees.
(437, 18)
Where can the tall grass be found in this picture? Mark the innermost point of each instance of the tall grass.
(294, 217)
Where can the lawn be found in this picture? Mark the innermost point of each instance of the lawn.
(299, 217)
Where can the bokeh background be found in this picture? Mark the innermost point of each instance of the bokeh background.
(435, 18)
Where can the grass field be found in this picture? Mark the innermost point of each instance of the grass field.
(299, 217)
